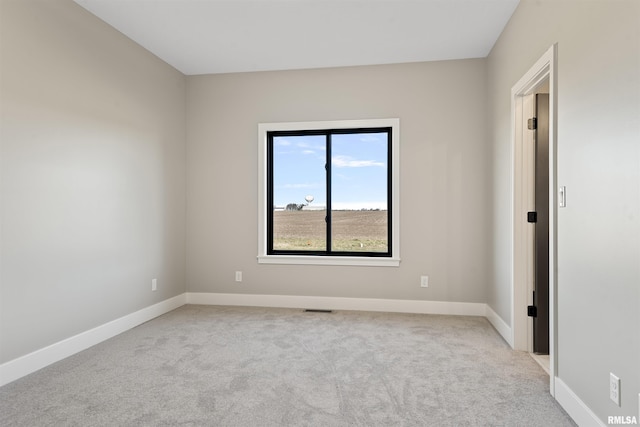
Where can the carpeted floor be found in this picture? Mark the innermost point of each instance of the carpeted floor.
(237, 366)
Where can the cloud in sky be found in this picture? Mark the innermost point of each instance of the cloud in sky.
(348, 162)
(308, 148)
(300, 186)
(301, 147)
(370, 138)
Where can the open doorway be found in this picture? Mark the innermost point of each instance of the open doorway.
(534, 212)
(537, 155)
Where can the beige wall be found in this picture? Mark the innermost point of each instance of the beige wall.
(93, 173)
(443, 170)
(599, 163)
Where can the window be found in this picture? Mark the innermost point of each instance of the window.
(329, 192)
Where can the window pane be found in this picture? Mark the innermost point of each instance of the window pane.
(359, 215)
(299, 193)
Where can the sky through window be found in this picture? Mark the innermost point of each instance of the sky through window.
(359, 170)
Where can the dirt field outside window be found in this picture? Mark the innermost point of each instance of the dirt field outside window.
(353, 231)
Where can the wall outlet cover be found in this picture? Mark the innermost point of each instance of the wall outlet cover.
(614, 388)
(424, 281)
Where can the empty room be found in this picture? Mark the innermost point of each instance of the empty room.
(320, 212)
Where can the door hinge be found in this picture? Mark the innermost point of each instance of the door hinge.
(532, 311)
(532, 123)
(532, 216)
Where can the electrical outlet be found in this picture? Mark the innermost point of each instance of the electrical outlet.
(154, 284)
(238, 276)
(424, 281)
(614, 388)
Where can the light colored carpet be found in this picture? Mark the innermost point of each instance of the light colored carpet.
(237, 366)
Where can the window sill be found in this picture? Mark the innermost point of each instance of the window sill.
(322, 260)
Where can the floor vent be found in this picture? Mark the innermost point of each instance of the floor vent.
(313, 310)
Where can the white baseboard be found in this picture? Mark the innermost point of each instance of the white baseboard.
(27, 364)
(576, 408)
(503, 329)
(337, 303)
(32, 362)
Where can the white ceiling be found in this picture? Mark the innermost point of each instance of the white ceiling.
(222, 36)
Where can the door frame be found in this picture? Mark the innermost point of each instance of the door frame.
(544, 69)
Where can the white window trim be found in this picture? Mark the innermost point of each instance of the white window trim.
(263, 258)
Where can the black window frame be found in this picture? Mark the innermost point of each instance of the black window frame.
(270, 135)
